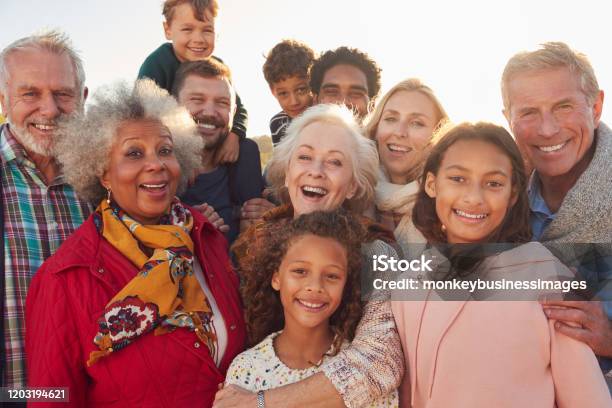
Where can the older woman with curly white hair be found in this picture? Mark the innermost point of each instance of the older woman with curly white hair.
(139, 306)
(324, 162)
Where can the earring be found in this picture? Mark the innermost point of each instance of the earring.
(443, 227)
(108, 196)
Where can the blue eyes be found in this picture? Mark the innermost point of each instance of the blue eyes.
(334, 162)
(414, 124)
(566, 107)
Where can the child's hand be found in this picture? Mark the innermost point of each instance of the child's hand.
(229, 151)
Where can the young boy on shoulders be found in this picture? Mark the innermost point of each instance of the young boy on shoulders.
(190, 27)
(287, 71)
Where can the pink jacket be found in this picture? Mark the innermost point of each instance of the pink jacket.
(472, 354)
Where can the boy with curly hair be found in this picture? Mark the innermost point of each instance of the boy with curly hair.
(287, 71)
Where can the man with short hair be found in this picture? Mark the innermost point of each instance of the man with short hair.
(41, 79)
(346, 76)
(553, 105)
(205, 89)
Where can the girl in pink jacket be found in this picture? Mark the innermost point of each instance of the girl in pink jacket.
(466, 353)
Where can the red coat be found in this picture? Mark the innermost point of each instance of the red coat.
(69, 293)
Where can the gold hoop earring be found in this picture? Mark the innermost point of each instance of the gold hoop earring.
(108, 196)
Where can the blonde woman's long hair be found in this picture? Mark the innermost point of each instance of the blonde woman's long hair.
(410, 85)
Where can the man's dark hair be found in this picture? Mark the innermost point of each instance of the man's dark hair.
(348, 56)
(208, 68)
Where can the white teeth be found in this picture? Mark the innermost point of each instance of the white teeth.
(44, 127)
(472, 216)
(197, 49)
(154, 185)
(316, 190)
(206, 126)
(311, 305)
(554, 148)
(398, 148)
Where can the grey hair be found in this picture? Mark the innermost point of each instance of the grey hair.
(85, 139)
(552, 55)
(363, 154)
(53, 41)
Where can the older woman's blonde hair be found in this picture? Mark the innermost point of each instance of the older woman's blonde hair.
(363, 154)
(409, 85)
(85, 139)
(551, 55)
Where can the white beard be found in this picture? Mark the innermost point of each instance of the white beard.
(31, 142)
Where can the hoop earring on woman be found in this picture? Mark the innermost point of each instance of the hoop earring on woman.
(108, 196)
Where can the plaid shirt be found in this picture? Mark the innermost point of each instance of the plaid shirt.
(37, 219)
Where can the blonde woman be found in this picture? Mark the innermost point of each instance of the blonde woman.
(402, 126)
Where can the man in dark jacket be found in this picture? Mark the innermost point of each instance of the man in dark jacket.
(205, 89)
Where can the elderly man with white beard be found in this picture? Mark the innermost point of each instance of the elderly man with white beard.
(41, 79)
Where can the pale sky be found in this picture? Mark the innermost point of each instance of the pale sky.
(458, 48)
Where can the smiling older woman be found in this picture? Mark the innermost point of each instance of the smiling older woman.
(323, 163)
(131, 310)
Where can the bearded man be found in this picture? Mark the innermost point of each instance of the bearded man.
(205, 89)
(41, 80)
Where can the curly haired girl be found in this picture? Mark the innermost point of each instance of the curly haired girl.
(302, 298)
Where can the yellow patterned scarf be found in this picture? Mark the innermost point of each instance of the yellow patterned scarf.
(165, 294)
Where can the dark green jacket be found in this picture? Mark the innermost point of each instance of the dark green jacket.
(161, 66)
